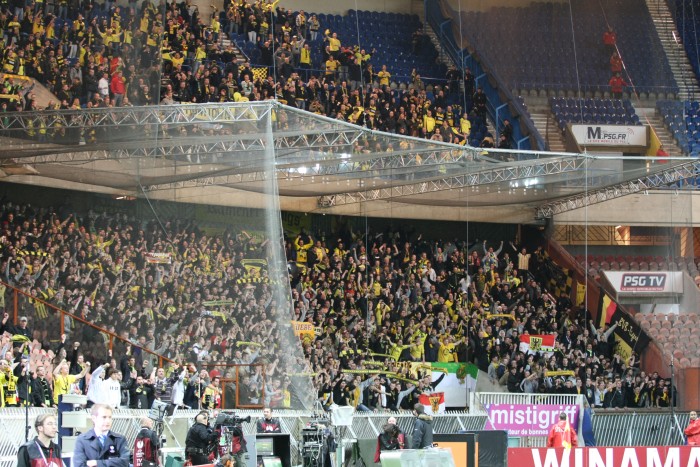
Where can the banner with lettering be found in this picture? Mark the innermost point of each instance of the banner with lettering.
(528, 419)
(302, 328)
(629, 336)
(159, 258)
(637, 456)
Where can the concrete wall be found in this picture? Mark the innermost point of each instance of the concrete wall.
(485, 5)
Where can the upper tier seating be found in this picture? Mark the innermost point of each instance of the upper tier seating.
(602, 111)
(548, 58)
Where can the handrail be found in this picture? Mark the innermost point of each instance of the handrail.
(63, 313)
(437, 21)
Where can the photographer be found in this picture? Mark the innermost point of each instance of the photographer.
(199, 439)
(391, 439)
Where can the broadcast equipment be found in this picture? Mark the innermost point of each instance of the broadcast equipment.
(228, 425)
(230, 419)
(158, 411)
(314, 445)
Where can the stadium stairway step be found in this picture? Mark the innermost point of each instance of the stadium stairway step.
(545, 124)
(649, 115)
(675, 53)
(240, 56)
(442, 55)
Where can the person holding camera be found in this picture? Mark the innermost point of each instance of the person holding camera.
(199, 439)
(391, 439)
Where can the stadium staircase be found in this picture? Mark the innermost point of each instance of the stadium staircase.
(445, 59)
(651, 115)
(241, 58)
(670, 40)
(544, 121)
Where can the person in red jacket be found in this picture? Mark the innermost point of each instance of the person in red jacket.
(616, 63)
(562, 434)
(617, 84)
(692, 431)
(118, 88)
(609, 40)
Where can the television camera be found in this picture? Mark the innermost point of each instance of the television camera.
(230, 440)
(230, 419)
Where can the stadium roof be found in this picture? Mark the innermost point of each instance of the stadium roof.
(215, 154)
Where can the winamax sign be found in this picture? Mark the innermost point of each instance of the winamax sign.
(646, 282)
(610, 135)
(656, 456)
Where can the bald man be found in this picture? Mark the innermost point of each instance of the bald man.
(146, 445)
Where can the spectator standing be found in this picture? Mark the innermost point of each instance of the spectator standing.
(118, 88)
(63, 381)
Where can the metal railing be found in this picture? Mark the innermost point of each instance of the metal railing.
(57, 322)
(479, 65)
(611, 428)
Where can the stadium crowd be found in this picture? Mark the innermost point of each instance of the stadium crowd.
(93, 55)
(384, 301)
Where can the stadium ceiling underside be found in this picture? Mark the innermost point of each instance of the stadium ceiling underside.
(214, 154)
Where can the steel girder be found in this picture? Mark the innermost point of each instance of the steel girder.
(660, 179)
(153, 115)
(496, 174)
(359, 165)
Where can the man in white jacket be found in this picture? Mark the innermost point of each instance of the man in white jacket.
(105, 391)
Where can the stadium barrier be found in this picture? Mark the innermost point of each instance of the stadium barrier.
(611, 428)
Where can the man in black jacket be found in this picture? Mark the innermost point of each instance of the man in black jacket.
(199, 438)
(41, 394)
(422, 429)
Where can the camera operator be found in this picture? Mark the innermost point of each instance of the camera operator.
(199, 439)
(268, 424)
(146, 445)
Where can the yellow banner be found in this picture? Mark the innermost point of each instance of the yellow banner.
(499, 315)
(580, 294)
(303, 328)
(559, 373)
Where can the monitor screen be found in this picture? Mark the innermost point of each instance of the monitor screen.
(264, 445)
(272, 462)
